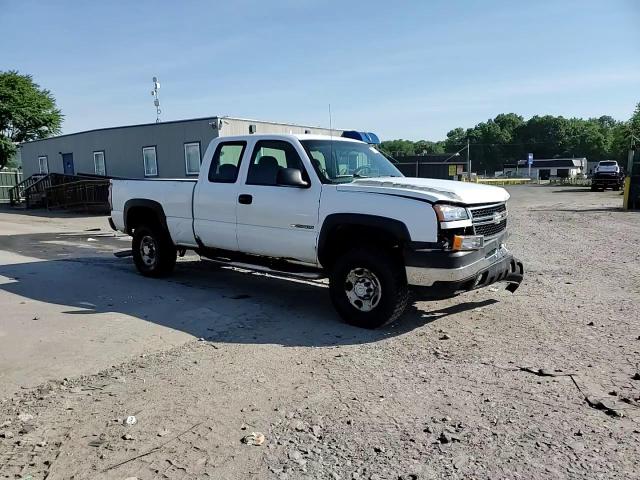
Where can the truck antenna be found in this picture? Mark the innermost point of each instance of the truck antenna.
(330, 134)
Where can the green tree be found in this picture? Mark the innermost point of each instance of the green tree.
(27, 112)
(634, 122)
(398, 148)
(508, 137)
(586, 138)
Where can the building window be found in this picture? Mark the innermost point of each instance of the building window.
(43, 164)
(98, 163)
(192, 158)
(150, 161)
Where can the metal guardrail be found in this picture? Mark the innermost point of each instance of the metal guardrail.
(32, 191)
(85, 194)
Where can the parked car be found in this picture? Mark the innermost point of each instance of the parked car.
(314, 206)
(607, 174)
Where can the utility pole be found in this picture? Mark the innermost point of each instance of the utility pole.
(468, 160)
(631, 154)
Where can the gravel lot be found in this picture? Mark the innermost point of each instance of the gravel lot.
(544, 383)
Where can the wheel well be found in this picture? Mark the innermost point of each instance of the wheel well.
(142, 215)
(343, 238)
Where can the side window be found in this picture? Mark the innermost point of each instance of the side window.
(43, 164)
(98, 163)
(192, 158)
(268, 157)
(150, 161)
(225, 163)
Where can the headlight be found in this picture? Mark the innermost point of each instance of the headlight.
(450, 213)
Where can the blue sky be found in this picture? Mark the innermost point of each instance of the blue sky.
(399, 68)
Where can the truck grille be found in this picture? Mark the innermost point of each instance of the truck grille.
(491, 229)
(489, 220)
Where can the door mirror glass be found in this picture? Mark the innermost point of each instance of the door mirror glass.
(290, 177)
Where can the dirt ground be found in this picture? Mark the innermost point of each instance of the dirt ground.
(543, 383)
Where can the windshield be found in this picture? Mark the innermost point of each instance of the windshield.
(607, 164)
(339, 161)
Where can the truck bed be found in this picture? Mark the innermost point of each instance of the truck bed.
(175, 196)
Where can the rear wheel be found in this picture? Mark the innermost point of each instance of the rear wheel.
(153, 251)
(368, 287)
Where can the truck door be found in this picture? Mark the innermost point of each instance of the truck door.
(274, 220)
(215, 198)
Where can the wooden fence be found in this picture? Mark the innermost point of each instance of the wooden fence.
(8, 180)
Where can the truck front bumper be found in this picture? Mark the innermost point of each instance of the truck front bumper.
(449, 273)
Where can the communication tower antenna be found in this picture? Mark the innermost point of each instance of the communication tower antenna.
(156, 98)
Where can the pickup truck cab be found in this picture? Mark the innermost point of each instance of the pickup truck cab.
(315, 206)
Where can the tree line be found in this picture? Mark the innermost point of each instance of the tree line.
(509, 137)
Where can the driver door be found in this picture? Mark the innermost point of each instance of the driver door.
(273, 220)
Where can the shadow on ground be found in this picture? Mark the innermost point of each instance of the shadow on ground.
(569, 189)
(44, 213)
(219, 304)
(581, 210)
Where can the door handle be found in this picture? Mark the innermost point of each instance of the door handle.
(245, 199)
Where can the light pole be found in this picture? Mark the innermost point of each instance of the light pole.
(156, 101)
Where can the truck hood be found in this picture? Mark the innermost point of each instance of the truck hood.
(428, 189)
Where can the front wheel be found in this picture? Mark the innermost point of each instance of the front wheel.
(153, 251)
(368, 287)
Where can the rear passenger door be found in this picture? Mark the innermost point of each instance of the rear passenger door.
(215, 198)
(273, 220)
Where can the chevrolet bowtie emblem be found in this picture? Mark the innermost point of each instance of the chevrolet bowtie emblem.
(498, 217)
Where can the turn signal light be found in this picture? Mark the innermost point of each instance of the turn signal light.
(467, 242)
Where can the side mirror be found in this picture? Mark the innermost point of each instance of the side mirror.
(290, 177)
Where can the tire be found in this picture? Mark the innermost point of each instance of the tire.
(153, 251)
(374, 270)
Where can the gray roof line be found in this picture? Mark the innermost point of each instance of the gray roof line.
(176, 121)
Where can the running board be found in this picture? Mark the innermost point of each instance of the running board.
(305, 274)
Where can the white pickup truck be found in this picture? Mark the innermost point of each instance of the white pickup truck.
(316, 206)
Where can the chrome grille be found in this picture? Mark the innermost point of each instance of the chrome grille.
(491, 229)
(489, 220)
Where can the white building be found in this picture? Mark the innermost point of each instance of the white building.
(547, 168)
